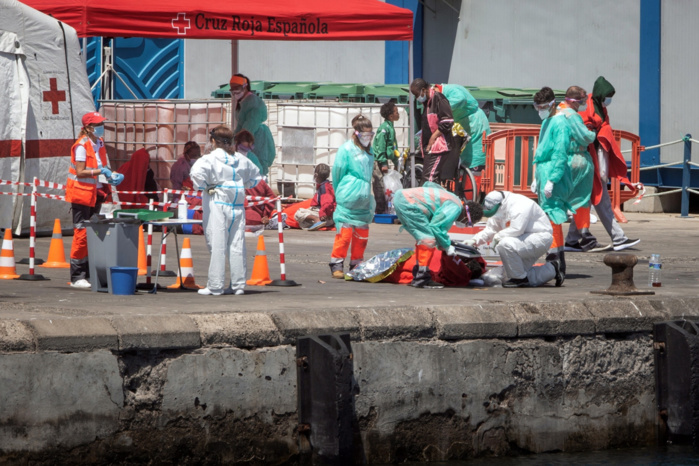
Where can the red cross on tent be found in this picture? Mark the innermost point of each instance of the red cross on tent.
(54, 95)
(181, 22)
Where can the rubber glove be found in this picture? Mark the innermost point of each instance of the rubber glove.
(106, 172)
(451, 250)
(533, 186)
(496, 240)
(548, 189)
(470, 242)
(116, 179)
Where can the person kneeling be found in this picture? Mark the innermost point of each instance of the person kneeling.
(428, 213)
(521, 233)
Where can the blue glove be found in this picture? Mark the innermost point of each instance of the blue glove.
(115, 179)
(106, 172)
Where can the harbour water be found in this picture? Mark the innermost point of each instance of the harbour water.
(675, 455)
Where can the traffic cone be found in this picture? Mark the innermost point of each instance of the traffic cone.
(260, 269)
(187, 268)
(7, 258)
(57, 254)
(142, 262)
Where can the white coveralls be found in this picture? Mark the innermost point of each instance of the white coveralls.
(224, 212)
(528, 237)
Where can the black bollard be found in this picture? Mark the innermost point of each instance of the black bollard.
(325, 404)
(622, 265)
(676, 348)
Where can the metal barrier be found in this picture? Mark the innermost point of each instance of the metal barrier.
(509, 162)
(686, 174)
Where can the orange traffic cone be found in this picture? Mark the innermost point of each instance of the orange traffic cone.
(260, 269)
(142, 262)
(57, 254)
(7, 258)
(187, 267)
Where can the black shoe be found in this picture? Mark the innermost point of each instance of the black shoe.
(602, 248)
(626, 244)
(573, 247)
(430, 285)
(560, 276)
(560, 257)
(516, 283)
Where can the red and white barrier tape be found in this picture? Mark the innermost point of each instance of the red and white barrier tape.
(14, 183)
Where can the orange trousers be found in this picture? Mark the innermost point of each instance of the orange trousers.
(582, 218)
(558, 240)
(423, 254)
(357, 237)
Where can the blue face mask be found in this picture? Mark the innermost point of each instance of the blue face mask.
(99, 131)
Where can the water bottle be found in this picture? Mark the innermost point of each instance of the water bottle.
(182, 208)
(654, 269)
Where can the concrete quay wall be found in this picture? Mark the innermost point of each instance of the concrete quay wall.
(434, 382)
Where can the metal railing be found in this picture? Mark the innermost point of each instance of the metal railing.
(686, 164)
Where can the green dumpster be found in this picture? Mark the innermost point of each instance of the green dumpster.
(509, 105)
(338, 92)
(289, 90)
(382, 93)
(258, 87)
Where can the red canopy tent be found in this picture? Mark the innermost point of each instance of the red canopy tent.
(251, 20)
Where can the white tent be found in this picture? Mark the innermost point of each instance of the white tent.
(44, 92)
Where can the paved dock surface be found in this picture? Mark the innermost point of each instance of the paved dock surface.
(307, 254)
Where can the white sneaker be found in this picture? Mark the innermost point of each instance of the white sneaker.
(208, 292)
(239, 292)
(82, 284)
(229, 291)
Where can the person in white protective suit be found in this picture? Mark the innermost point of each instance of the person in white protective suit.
(223, 175)
(521, 233)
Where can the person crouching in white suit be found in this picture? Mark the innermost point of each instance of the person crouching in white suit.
(521, 233)
(223, 175)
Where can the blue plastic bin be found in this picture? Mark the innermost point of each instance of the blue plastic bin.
(385, 218)
(123, 280)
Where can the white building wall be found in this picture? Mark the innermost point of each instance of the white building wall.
(679, 112)
(207, 66)
(337, 61)
(208, 62)
(530, 44)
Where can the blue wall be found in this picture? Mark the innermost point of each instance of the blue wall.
(649, 80)
(397, 52)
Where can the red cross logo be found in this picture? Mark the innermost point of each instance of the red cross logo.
(181, 22)
(54, 95)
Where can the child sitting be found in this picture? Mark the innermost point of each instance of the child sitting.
(323, 204)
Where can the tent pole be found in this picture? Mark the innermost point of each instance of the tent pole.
(234, 70)
(411, 126)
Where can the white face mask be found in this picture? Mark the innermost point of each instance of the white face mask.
(364, 138)
(239, 94)
(458, 224)
(583, 107)
(607, 101)
(422, 98)
(543, 114)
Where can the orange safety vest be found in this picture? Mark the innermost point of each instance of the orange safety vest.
(83, 191)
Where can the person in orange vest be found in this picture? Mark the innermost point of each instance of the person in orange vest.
(88, 160)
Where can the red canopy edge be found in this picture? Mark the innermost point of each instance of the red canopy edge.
(252, 20)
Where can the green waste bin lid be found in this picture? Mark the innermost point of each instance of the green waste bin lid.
(143, 214)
